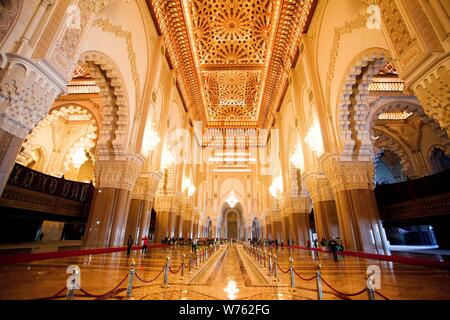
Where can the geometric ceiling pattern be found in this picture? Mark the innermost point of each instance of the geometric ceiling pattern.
(232, 57)
(230, 31)
(231, 42)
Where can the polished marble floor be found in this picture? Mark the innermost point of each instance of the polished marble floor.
(229, 274)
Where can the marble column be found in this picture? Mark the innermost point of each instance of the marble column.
(134, 220)
(108, 215)
(187, 228)
(359, 222)
(325, 213)
(167, 207)
(302, 228)
(162, 222)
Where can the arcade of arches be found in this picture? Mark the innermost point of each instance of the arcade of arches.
(254, 120)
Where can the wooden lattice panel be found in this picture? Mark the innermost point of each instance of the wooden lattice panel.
(230, 31)
(231, 95)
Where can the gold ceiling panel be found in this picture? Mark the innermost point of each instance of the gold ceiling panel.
(231, 95)
(232, 57)
(230, 31)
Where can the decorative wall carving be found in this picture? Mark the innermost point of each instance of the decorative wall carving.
(27, 91)
(319, 187)
(107, 26)
(119, 174)
(434, 94)
(113, 134)
(168, 202)
(348, 175)
(146, 186)
(354, 107)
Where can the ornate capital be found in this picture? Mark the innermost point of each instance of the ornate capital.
(146, 185)
(349, 175)
(27, 91)
(168, 202)
(296, 204)
(319, 187)
(119, 174)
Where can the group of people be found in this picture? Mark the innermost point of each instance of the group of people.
(130, 242)
(334, 245)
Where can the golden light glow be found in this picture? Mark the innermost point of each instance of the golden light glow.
(151, 139)
(314, 138)
(297, 158)
(167, 159)
(276, 188)
(231, 289)
(78, 157)
(232, 200)
(188, 186)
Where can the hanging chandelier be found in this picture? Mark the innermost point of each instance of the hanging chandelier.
(314, 138)
(78, 157)
(232, 200)
(297, 157)
(152, 139)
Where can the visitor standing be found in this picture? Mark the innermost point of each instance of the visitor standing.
(145, 245)
(129, 244)
(334, 248)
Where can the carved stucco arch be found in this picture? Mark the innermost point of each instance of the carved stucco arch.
(353, 106)
(387, 142)
(113, 136)
(408, 105)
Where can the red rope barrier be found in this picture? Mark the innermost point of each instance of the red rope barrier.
(55, 296)
(29, 257)
(148, 281)
(102, 296)
(304, 279)
(282, 269)
(342, 293)
(171, 271)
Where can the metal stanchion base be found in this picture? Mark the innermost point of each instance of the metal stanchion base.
(276, 280)
(165, 286)
(129, 298)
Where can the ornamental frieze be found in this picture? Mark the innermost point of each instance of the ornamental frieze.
(119, 174)
(349, 175)
(319, 187)
(168, 202)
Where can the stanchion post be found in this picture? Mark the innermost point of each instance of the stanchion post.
(197, 259)
(370, 286)
(71, 287)
(291, 268)
(166, 273)
(319, 282)
(130, 281)
(190, 262)
(183, 256)
(264, 260)
(275, 267)
(270, 263)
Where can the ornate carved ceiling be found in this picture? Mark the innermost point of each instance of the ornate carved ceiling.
(232, 58)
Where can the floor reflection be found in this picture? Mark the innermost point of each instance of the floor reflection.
(228, 274)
